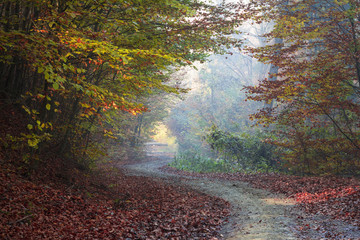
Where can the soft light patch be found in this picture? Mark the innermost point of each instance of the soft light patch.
(162, 135)
(279, 201)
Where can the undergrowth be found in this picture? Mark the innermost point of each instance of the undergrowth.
(192, 161)
(196, 162)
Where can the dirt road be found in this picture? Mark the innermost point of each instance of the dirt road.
(256, 213)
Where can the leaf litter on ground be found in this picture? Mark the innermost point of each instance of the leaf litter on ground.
(333, 196)
(108, 205)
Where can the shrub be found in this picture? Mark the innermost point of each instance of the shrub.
(193, 161)
(245, 152)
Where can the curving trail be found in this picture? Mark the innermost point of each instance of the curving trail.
(256, 213)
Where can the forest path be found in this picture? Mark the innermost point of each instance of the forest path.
(255, 213)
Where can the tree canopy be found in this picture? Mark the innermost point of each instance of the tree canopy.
(316, 92)
(72, 65)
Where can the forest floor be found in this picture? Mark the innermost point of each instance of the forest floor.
(145, 199)
(259, 207)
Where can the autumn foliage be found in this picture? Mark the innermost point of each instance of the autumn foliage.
(312, 94)
(113, 207)
(77, 69)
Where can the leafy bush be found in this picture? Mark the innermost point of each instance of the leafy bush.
(244, 152)
(193, 161)
(231, 153)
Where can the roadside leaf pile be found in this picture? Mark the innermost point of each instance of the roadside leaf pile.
(338, 197)
(111, 207)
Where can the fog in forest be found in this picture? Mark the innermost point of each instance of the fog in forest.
(215, 97)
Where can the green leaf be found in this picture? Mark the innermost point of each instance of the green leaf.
(40, 70)
(55, 85)
(29, 126)
(47, 76)
(48, 107)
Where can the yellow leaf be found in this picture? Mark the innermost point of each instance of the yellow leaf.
(33, 143)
